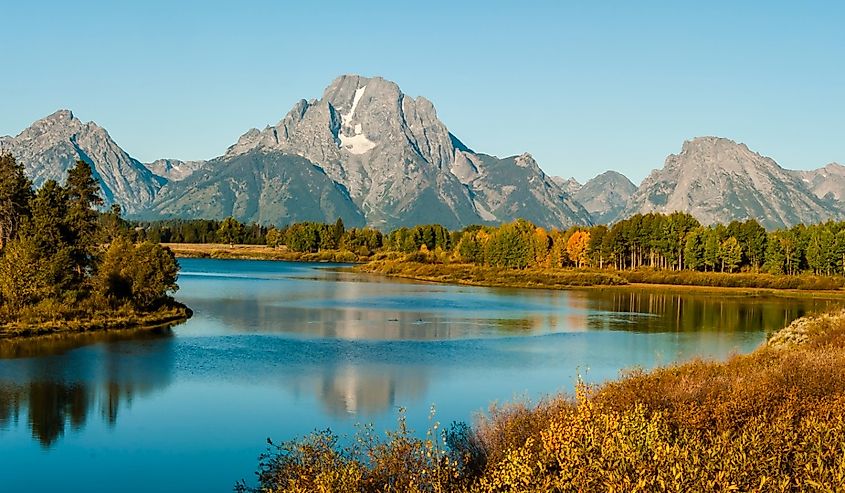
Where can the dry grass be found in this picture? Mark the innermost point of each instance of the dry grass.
(259, 252)
(806, 282)
(477, 275)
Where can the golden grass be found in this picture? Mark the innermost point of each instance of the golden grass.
(477, 275)
(259, 252)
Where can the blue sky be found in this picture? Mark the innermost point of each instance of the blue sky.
(583, 86)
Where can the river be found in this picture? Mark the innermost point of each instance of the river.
(280, 349)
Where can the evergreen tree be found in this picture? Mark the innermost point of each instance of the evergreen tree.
(83, 196)
(839, 248)
(15, 194)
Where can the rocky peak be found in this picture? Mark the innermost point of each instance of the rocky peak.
(719, 180)
(569, 185)
(828, 183)
(605, 196)
(399, 162)
(53, 144)
(714, 154)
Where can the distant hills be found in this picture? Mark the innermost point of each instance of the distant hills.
(370, 154)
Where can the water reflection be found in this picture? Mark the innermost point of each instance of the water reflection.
(363, 390)
(342, 346)
(654, 310)
(56, 384)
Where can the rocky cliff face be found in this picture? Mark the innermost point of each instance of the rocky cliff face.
(718, 180)
(402, 166)
(174, 169)
(605, 196)
(827, 183)
(52, 145)
(569, 185)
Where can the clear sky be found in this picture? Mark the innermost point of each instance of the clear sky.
(583, 86)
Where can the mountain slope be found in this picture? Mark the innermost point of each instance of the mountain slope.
(515, 187)
(569, 185)
(173, 169)
(605, 196)
(718, 180)
(52, 145)
(268, 188)
(827, 183)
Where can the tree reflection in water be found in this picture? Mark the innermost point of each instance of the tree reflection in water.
(69, 378)
(653, 310)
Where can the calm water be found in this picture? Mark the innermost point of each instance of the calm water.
(280, 349)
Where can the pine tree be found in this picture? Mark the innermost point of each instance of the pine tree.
(15, 194)
(83, 196)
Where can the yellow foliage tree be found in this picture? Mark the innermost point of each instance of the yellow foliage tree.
(577, 246)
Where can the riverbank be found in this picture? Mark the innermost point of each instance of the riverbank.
(260, 252)
(772, 420)
(171, 313)
(477, 275)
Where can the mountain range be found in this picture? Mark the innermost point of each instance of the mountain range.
(371, 155)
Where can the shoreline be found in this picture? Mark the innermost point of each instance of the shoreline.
(564, 279)
(171, 314)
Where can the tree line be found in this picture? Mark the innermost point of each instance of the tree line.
(60, 255)
(674, 241)
(228, 230)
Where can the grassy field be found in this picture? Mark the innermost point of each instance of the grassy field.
(258, 252)
(769, 421)
(490, 276)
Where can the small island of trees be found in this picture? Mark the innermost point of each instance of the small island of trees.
(64, 265)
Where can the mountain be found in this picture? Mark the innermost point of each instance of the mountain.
(569, 185)
(261, 187)
(370, 154)
(827, 183)
(173, 169)
(605, 196)
(719, 180)
(400, 164)
(516, 187)
(52, 145)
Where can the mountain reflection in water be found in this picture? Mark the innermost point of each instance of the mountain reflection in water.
(281, 349)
